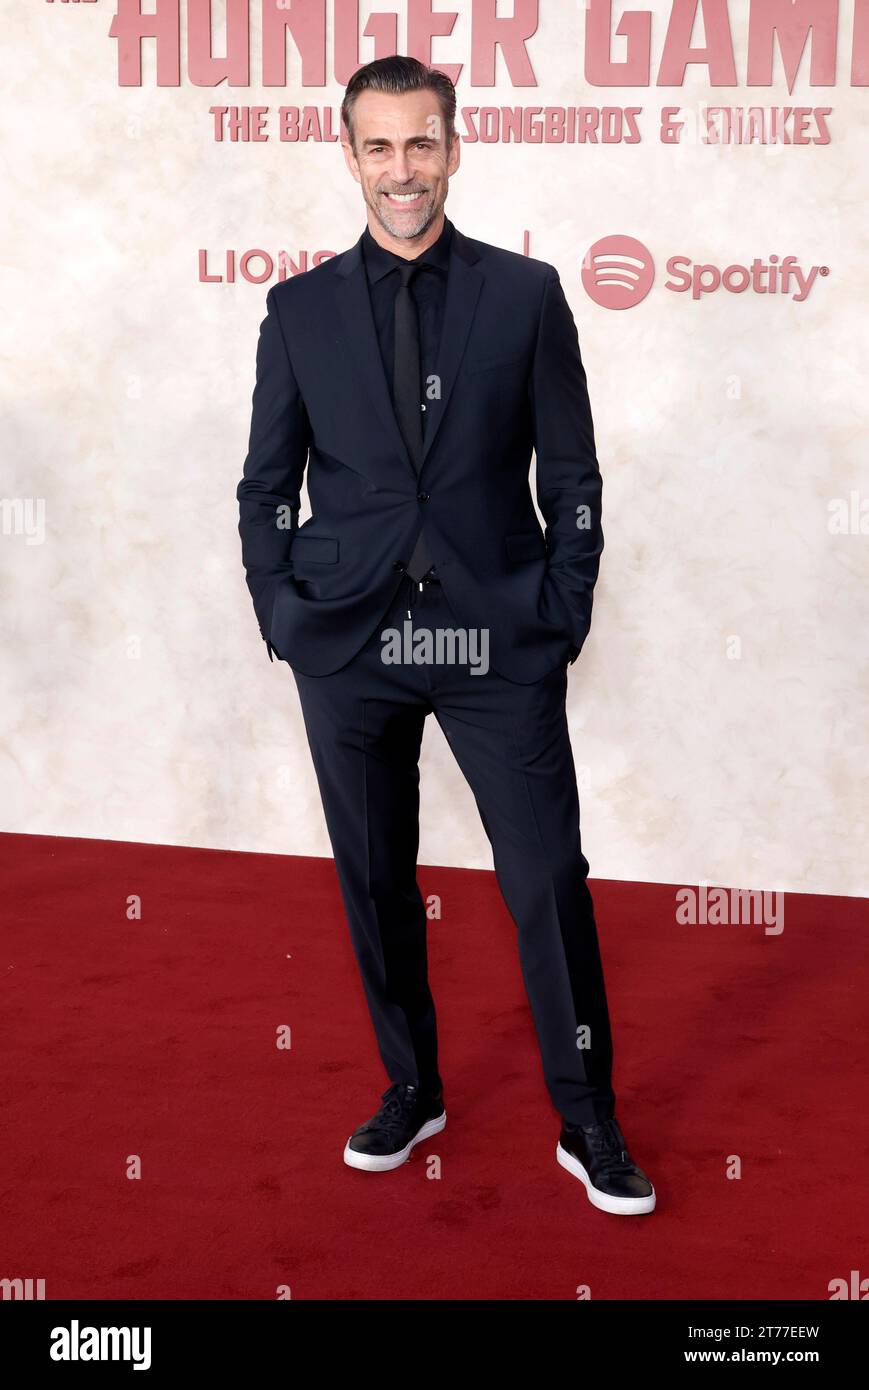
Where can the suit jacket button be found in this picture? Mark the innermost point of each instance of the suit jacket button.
(422, 496)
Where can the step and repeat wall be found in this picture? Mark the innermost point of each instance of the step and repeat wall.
(696, 172)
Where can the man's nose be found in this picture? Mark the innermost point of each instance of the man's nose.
(401, 169)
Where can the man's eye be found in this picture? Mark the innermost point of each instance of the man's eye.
(424, 145)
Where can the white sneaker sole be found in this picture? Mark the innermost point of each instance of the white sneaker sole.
(382, 1163)
(618, 1206)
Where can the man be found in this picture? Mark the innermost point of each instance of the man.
(414, 375)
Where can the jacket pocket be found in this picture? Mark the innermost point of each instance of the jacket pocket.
(527, 545)
(489, 364)
(320, 550)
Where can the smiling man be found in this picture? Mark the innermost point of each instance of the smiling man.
(414, 376)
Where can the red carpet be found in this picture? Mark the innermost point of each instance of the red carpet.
(157, 1037)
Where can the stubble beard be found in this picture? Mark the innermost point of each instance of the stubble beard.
(405, 229)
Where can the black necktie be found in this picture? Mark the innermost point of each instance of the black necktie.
(407, 390)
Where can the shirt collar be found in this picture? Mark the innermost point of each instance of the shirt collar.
(379, 261)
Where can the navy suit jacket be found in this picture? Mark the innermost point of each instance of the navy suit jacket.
(511, 381)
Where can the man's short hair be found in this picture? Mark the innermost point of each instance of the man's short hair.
(396, 75)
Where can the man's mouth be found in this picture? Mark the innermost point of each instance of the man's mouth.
(405, 200)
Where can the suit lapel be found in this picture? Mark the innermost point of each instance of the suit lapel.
(464, 283)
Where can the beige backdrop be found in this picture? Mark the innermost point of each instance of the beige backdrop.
(138, 702)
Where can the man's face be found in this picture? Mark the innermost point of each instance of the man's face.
(401, 160)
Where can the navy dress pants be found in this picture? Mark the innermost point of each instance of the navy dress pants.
(364, 725)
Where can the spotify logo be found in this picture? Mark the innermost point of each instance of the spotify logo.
(618, 272)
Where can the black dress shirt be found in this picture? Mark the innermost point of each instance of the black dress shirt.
(429, 289)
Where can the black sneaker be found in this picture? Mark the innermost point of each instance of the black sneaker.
(406, 1116)
(598, 1156)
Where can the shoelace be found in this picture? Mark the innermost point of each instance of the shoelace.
(398, 1101)
(606, 1140)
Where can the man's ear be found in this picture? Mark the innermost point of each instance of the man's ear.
(351, 160)
(454, 157)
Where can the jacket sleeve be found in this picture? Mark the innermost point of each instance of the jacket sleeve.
(569, 485)
(269, 492)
